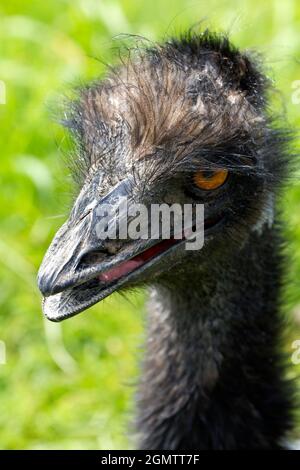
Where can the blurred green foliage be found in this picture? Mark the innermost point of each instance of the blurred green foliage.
(70, 385)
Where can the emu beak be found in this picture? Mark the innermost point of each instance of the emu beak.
(78, 270)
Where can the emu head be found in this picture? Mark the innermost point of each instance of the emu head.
(181, 123)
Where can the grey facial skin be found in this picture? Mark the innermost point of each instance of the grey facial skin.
(69, 274)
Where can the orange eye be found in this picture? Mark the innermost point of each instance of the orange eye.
(210, 179)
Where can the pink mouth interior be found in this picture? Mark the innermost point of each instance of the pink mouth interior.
(130, 265)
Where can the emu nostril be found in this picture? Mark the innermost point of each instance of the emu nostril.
(113, 246)
(108, 249)
(93, 257)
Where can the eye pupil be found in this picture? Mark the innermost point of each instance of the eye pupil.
(207, 174)
(210, 179)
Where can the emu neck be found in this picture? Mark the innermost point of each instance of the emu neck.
(212, 377)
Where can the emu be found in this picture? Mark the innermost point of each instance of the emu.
(187, 121)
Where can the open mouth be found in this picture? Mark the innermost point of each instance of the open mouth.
(127, 267)
(73, 300)
(110, 276)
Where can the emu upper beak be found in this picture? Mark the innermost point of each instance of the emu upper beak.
(78, 270)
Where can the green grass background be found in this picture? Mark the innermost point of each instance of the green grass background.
(71, 385)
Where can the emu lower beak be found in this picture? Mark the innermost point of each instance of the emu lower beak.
(78, 270)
